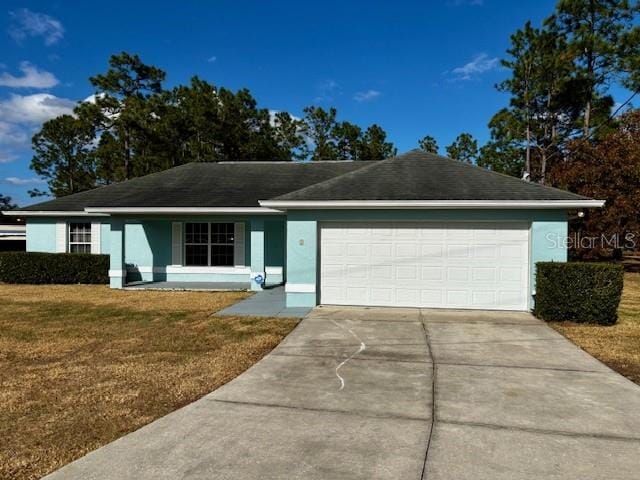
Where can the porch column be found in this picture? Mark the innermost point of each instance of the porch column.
(257, 252)
(302, 234)
(117, 270)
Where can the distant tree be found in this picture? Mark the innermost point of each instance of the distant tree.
(6, 203)
(64, 156)
(348, 140)
(504, 152)
(319, 127)
(122, 96)
(464, 148)
(604, 39)
(375, 145)
(428, 144)
(608, 169)
(289, 136)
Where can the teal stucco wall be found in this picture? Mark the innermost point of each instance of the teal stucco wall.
(41, 235)
(147, 252)
(302, 237)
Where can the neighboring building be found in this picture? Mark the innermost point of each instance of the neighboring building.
(417, 230)
(13, 236)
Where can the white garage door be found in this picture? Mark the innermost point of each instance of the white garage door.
(439, 265)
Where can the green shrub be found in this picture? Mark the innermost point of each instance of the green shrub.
(578, 292)
(36, 268)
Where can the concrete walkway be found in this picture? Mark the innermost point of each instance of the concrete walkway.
(269, 302)
(358, 393)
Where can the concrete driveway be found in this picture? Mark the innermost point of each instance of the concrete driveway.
(356, 393)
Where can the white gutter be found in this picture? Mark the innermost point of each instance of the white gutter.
(432, 204)
(180, 210)
(50, 213)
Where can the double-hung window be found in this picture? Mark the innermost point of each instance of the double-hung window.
(209, 244)
(80, 237)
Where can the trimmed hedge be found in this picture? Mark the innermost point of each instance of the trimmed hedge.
(37, 268)
(578, 292)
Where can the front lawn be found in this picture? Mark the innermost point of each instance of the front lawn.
(82, 365)
(619, 345)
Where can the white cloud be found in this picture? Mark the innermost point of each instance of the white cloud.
(212, 59)
(26, 23)
(34, 109)
(327, 90)
(478, 65)
(23, 181)
(366, 96)
(31, 78)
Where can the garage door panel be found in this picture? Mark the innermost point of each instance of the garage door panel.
(425, 265)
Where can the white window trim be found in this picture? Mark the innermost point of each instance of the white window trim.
(209, 244)
(69, 242)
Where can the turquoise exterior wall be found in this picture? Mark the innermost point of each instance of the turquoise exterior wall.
(41, 235)
(147, 246)
(302, 236)
(288, 243)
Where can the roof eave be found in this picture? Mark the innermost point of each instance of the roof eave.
(182, 210)
(51, 213)
(432, 204)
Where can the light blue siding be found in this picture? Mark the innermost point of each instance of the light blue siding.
(302, 234)
(41, 235)
(105, 229)
(147, 250)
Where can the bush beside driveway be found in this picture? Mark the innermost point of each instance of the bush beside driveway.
(82, 365)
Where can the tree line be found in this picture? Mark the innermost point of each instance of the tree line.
(133, 126)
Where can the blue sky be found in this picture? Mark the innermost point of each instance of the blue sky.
(414, 67)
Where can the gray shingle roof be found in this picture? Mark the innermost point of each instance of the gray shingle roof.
(233, 184)
(415, 175)
(418, 175)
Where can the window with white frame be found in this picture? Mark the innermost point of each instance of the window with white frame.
(208, 244)
(80, 237)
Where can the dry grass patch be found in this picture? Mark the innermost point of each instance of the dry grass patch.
(618, 345)
(82, 365)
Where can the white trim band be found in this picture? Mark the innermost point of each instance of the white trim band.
(116, 273)
(432, 204)
(300, 287)
(273, 270)
(182, 210)
(52, 213)
(182, 269)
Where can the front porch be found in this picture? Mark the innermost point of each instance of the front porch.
(196, 253)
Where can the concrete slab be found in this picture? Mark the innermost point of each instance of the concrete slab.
(521, 345)
(366, 313)
(320, 337)
(463, 452)
(367, 387)
(216, 440)
(550, 400)
(432, 315)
